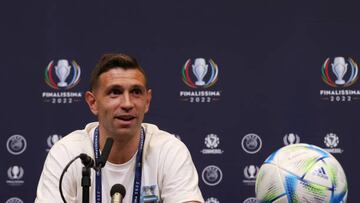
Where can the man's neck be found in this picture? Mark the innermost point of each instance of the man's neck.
(122, 149)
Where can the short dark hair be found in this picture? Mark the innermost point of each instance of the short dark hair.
(114, 60)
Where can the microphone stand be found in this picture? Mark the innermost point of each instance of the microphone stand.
(85, 183)
(88, 164)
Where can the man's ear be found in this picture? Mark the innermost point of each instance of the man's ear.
(148, 100)
(91, 101)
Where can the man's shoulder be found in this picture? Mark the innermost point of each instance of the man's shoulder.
(78, 140)
(160, 140)
(80, 135)
(154, 133)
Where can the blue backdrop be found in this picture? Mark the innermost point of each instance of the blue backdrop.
(267, 87)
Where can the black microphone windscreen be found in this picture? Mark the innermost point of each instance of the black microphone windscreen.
(118, 188)
(86, 160)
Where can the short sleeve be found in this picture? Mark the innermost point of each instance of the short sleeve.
(180, 178)
(48, 186)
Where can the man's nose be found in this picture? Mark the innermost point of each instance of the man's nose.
(127, 103)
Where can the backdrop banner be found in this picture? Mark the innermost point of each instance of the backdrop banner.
(234, 81)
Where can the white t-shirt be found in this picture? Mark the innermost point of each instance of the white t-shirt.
(168, 171)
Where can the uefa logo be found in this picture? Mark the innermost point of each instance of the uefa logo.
(212, 200)
(212, 175)
(199, 73)
(51, 140)
(250, 173)
(212, 142)
(15, 174)
(291, 138)
(67, 74)
(331, 140)
(16, 144)
(339, 72)
(251, 200)
(251, 143)
(14, 200)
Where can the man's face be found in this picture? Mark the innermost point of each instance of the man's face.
(120, 101)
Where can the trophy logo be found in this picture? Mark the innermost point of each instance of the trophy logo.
(68, 75)
(200, 69)
(212, 175)
(291, 138)
(251, 143)
(212, 200)
(339, 68)
(251, 171)
(16, 144)
(177, 136)
(331, 140)
(52, 139)
(15, 172)
(62, 70)
(341, 74)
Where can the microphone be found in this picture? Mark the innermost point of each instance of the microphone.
(86, 160)
(105, 153)
(117, 193)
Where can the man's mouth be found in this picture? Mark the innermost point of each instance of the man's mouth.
(125, 117)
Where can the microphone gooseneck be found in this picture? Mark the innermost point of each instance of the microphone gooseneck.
(105, 153)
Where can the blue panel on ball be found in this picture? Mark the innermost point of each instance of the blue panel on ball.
(270, 159)
(338, 198)
(290, 187)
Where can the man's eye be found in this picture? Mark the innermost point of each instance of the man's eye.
(115, 92)
(137, 91)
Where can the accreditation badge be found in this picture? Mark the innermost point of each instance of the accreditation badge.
(148, 194)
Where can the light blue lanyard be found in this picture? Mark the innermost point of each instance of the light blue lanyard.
(138, 168)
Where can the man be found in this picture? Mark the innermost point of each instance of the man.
(119, 97)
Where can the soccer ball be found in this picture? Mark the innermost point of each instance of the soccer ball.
(301, 173)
